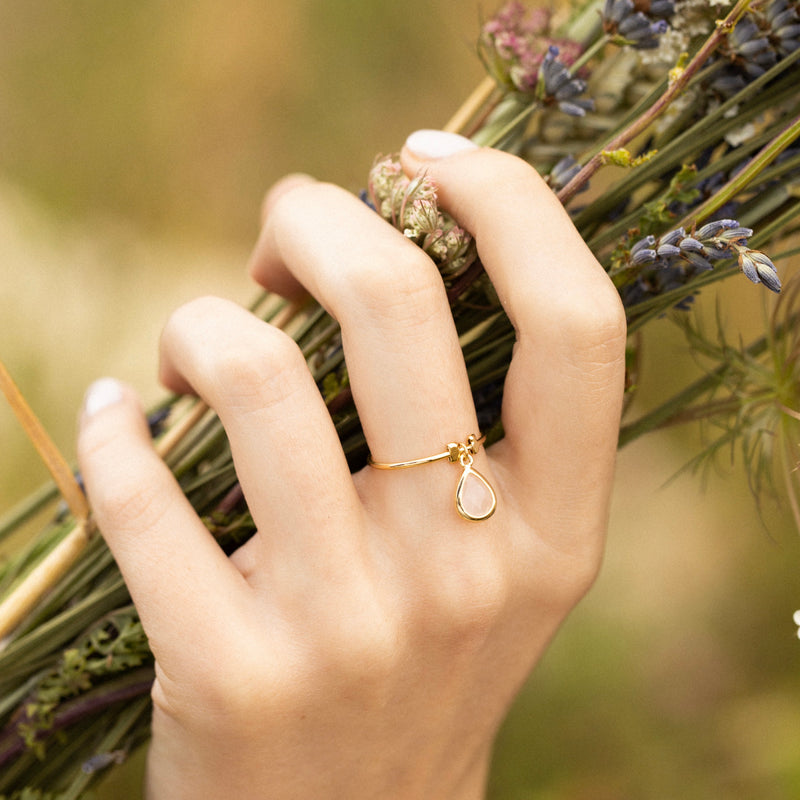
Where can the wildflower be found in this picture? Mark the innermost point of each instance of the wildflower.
(410, 205)
(514, 43)
(625, 24)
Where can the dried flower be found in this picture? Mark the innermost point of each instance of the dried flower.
(514, 43)
(557, 86)
(670, 261)
(411, 207)
(627, 25)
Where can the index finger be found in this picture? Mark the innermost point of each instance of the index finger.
(563, 391)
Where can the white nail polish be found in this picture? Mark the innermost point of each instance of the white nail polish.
(102, 393)
(438, 144)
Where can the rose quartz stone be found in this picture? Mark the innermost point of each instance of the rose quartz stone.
(475, 497)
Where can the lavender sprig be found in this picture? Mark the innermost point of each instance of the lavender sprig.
(667, 262)
(626, 25)
(556, 86)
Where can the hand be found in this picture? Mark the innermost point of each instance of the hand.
(367, 642)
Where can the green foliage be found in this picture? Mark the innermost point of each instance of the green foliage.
(117, 644)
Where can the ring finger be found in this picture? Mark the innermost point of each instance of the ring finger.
(405, 364)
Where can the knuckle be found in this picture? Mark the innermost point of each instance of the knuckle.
(127, 503)
(261, 374)
(599, 320)
(187, 316)
(235, 697)
(588, 331)
(594, 321)
(403, 287)
(123, 495)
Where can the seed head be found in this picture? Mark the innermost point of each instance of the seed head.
(411, 206)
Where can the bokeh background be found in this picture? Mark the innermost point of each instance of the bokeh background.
(136, 140)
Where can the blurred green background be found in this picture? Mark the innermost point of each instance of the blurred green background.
(136, 141)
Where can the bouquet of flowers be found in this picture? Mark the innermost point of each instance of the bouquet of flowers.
(667, 128)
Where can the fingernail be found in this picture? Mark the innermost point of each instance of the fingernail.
(102, 393)
(438, 144)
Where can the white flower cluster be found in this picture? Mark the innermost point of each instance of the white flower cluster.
(411, 206)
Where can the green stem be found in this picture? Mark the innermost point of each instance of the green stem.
(743, 178)
(589, 53)
(493, 139)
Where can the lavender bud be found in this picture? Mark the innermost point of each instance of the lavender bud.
(616, 10)
(673, 237)
(668, 251)
(636, 28)
(735, 234)
(748, 267)
(563, 172)
(717, 253)
(557, 84)
(646, 242)
(662, 8)
(576, 108)
(728, 84)
(766, 270)
(643, 256)
(711, 229)
(690, 244)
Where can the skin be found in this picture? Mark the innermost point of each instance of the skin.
(368, 642)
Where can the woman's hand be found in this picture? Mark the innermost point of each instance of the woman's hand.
(367, 641)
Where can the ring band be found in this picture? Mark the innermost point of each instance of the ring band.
(475, 497)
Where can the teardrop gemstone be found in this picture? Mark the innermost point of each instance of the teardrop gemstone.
(475, 498)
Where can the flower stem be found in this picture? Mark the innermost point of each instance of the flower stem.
(589, 53)
(43, 577)
(744, 177)
(56, 463)
(493, 139)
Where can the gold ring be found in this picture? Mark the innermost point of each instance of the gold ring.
(475, 498)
